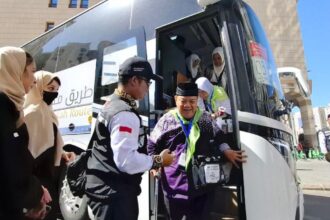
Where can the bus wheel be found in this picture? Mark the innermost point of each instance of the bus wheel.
(72, 208)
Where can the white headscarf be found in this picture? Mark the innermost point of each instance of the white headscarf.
(12, 66)
(218, 69)
(189, 62)
(204, 84)
(39, 119)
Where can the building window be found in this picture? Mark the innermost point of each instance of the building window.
(73, 4)
(84, 4)
(49, 25)
(52, 3)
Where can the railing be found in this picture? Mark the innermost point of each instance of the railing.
(312, 154)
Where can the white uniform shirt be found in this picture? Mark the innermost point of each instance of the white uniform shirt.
(124, 131)
(322, 142)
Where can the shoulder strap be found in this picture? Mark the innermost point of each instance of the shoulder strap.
(55, 134)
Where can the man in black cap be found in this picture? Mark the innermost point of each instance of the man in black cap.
(192, 135)
(324, 138)
(117, 162)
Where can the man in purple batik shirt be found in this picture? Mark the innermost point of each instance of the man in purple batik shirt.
(187, 131)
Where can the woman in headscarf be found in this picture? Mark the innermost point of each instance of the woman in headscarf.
(193, 70)
(216, 74)
(213, 97)
(21, 192)
(46, 143)
(193, 65)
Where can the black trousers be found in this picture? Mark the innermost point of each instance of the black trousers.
(122, 207)
(196, 208)
(49, 176)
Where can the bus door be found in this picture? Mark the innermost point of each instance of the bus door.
(200, 34)
(270, 189)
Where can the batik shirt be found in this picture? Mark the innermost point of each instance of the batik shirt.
(168, 134)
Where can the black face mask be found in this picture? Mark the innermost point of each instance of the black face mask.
(49, 97)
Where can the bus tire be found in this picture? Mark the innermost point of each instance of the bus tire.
(72, 208)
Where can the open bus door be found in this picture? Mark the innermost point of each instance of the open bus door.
(198, 34)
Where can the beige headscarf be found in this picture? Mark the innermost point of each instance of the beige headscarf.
(217, 70)
(190, 61)
(39, 118)
(12, 66)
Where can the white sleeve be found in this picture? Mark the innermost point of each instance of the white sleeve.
(124, 132)
(224, 103)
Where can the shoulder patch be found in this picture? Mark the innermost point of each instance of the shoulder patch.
(125, 129)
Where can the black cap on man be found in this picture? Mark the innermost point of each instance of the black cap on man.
(187, 89)
(136, 66)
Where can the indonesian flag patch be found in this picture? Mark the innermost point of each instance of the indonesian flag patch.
(125, 129)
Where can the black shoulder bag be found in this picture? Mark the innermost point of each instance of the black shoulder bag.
(76, 170)
(76, 173)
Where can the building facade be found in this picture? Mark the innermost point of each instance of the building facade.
(21, 21)
(320, 117)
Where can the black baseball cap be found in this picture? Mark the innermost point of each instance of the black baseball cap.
(137, 66)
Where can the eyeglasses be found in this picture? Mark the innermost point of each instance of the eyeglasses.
(148, 82)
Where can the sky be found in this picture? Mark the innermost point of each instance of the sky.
(314, 17)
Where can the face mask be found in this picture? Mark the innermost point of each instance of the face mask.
(49, 97)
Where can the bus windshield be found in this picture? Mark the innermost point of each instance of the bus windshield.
(265, 84)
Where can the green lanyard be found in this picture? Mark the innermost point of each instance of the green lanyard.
(193, 135)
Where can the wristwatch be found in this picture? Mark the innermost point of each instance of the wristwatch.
(157, 161)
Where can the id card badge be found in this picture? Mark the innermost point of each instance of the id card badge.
(212, 173)
(182, 159)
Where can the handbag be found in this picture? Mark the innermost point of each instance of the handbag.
(76, 173)
(76, 170)
(208, 171)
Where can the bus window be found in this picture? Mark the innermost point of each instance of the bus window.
(45, 50)
(111, 55)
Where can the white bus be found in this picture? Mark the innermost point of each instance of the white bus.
(86, 51)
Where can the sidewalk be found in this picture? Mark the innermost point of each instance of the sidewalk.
(314, 174)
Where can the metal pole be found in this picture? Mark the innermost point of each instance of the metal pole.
(157, 177)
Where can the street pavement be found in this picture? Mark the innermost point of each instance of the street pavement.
(314, 174)
(315, 182)
(316, 203)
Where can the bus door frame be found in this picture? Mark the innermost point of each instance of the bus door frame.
(230, 67)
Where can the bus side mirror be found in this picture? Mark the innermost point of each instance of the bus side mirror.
(284, 111)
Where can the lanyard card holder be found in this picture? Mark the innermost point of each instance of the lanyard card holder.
(207, 171)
